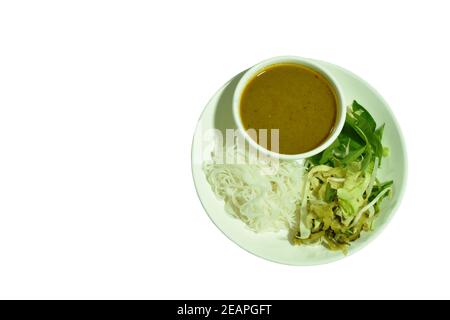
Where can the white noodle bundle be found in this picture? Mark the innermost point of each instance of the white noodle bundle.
(263, 198)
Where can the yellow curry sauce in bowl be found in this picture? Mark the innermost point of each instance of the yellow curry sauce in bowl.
(296, 101)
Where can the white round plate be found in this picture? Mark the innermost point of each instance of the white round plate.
(275, 246)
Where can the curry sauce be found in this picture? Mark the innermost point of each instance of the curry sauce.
(297, 100)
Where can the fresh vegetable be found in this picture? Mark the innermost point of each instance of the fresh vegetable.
(341, 194)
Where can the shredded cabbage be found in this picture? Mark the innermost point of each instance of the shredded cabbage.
(342, 194)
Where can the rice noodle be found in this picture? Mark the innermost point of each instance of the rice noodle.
(263, 201)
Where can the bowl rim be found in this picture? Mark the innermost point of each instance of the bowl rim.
(250, 73)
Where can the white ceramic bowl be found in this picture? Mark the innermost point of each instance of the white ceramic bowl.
(255, 70)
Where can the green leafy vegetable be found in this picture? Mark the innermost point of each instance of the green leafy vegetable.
(330, 193)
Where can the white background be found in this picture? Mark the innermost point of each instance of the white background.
(98, 104)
